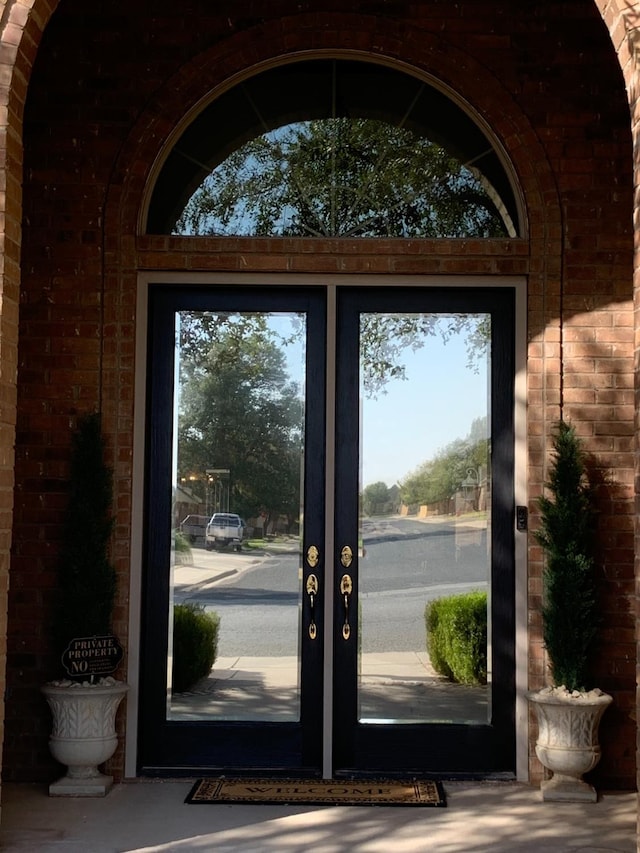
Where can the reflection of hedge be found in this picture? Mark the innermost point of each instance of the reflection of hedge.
(195, 644)
(457, 637)
(181, 543)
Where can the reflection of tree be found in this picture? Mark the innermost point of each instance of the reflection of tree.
(239, 410)
(439, 478)
(385, 337)
(375, 498)
(341, 177)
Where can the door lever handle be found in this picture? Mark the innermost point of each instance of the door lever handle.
(312, 591)
(346, 588)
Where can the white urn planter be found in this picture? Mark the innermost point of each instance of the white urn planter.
(83, 734)
(568, 742)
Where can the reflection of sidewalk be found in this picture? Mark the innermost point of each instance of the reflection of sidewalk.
(207, 568)
(393, 685)
(202, 569)
(478, 520)
(404, 686)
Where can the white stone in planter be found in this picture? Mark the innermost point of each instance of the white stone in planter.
(83, 734)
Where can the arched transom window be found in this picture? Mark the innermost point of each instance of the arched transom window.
(334, 148)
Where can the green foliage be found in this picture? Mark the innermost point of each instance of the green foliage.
(384, 339)
(457, 637)
(195, 644)
(241, 411)
(375, 496)
(346, 177)
(439, 478)
(87, 578)
(181, 544)
(569, 612)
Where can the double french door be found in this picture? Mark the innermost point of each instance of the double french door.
(365, 437)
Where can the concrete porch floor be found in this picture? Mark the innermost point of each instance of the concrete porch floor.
(152, 816)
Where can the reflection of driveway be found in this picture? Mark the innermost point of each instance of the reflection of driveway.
(392, 529)
(209, 567)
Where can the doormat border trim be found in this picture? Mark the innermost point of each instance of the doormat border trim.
(359, 792)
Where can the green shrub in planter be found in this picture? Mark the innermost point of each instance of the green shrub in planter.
(195, 644)
(86, 574)
(570, 610)
(457, 637)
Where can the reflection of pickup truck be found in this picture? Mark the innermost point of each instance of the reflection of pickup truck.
(193, 527)
(224, 529)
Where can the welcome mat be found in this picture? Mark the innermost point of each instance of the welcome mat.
(319, 792)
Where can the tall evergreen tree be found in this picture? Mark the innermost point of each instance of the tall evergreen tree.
(87, 578)
(570, 615)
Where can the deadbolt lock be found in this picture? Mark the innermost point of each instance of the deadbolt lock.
(346, 556)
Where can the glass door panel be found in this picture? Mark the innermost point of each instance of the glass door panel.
(425, 506)
(235, 461)
(425, 485)
(239, 413)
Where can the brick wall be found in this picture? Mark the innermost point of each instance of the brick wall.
(110, 84)
(19, 36)
(622, 21)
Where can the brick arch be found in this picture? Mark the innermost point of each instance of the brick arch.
(398, 43)
(395, 43)
(283, 40)
(22, 23)
(623, 22)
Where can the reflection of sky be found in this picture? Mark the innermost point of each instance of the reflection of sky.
(435, 405)
(291, 329)
(417, 417)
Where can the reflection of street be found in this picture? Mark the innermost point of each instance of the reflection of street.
(257, 595)
(406, 564)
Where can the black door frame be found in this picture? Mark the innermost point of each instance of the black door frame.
(452, 749)
(184, 747)
(247, 742)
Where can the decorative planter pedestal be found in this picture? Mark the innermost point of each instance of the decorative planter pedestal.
(568, 742)
(84, 734)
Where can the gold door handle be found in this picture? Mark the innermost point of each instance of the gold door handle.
(312, 591)
(346, 588)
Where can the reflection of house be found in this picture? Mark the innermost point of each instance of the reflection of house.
(85, 129)
(473, 493)
(186, 503)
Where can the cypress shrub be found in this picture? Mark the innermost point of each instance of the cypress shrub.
(195, 644)
(87, 576)
(570, 609)
(457, 637)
